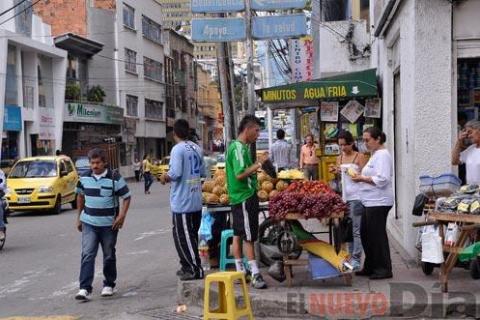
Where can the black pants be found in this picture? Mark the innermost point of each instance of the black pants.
(148, 180)
(185, 235)
(373, 233)
(137, 175)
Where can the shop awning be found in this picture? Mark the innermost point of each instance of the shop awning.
(362, 84)
(78, 45)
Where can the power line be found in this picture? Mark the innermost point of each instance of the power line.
(19, 13)
(10, 9)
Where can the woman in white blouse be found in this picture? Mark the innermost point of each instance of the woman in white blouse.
(376, 194)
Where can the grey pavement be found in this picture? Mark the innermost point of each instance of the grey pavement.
(39, 264)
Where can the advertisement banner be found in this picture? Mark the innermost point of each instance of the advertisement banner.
(284, 26)
(12, 118)
(301, 59)
(93, 113)
(272, 5)
(217, 6)
(46, 124)
(218, 30)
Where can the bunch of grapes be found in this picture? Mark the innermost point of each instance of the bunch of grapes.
(310, 205)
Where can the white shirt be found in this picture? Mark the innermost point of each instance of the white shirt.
(102, 175)
(280, 154)
(471, 158)
(350, 189)
(380, 169)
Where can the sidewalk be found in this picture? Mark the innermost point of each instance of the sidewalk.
(409, 294)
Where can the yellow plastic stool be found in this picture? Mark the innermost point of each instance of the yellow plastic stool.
(227, 307)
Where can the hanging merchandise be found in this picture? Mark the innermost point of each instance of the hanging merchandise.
(432, 250)
(329, 111)
(352, 111)
(373, 108)
(451, 235)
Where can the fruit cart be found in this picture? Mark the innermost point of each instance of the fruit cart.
(469, 225)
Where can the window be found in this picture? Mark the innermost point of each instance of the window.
(132, 106)
(152, 69)
(128, 16)
(151, 30)
(153, 109)
(130, 60)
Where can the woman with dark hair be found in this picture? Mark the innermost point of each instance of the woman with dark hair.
(147, 174)
(350, 162)
(376, 193)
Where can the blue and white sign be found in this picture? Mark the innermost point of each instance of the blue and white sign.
(217, 6)
(272, 5)
(12, 118)
(218, 30)
(286, 26)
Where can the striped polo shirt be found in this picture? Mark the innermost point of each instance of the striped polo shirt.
(99, 205)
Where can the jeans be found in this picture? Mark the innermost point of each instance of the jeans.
(310, 171)
(356, 209)
(92, 236)
(148, 180)
(2, 216)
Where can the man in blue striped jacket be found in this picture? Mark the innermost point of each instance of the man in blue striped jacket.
(99, 219)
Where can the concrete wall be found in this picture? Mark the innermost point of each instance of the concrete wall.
(419, 128)
(335, 55)
(101, 71)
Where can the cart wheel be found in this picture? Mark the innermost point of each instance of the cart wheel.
(475, 269)
(287, 243)
(269, 234)
(427, 268)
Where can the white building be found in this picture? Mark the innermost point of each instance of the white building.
(32, 85)
(428, 58)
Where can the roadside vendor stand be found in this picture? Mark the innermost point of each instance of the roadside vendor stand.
(469, 225)
(347, 101)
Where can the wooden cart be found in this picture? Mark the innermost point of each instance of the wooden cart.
(334, 224)
(469, 224)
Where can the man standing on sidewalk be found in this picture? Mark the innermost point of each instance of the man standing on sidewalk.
(242, 190)
(99, 219)
(186, 169)
(280, 152)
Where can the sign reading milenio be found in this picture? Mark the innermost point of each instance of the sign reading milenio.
(85, 112)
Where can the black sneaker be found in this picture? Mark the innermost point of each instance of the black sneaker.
(258, 282)
(187, 276)
(248, 277)
(180, 272)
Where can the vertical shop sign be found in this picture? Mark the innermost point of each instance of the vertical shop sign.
(46, 124)
(301, 59)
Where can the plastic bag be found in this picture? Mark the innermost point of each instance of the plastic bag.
(452, 233)
(432, 249)
(205, 231)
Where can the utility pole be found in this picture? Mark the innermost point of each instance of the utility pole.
(233, 108)
(249, 44)
(226, 102)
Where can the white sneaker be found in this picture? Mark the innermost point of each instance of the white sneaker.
(2, 235)
(107, 292)
(82, 295)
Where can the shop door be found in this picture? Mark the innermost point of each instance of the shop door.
(34, 139)
(400, 146)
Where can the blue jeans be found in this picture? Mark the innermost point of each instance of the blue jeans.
(2, 213)
(148, 180)
(356, 209)
(92, 237)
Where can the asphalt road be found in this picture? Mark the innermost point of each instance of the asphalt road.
(40, 263)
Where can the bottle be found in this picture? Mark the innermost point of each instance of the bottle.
(204, 255)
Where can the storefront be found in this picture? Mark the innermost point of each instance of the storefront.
(12, 126)
(87, 124)
(345, 102)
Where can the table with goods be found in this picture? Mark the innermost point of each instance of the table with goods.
(450, 230)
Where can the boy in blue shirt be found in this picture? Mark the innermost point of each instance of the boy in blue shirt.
(186, 169)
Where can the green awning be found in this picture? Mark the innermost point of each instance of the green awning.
(362, 84)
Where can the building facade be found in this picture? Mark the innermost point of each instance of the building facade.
(129, 68)
(32, 85)
(428, 58)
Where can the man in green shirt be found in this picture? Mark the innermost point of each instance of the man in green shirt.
(242, 191)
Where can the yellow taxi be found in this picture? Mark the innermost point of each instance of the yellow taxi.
(161, 167)
(42, 184)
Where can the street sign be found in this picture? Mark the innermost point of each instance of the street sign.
(272, 5)
(285, 26)
(217, 6)
(218, 30)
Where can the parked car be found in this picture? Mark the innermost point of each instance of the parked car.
(42, 184)
(82, 164)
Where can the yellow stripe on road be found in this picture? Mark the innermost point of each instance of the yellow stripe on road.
(42, 318)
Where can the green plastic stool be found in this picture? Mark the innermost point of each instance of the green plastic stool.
(224, 258)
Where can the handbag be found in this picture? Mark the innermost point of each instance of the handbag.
(346, 226)
(419, 204)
